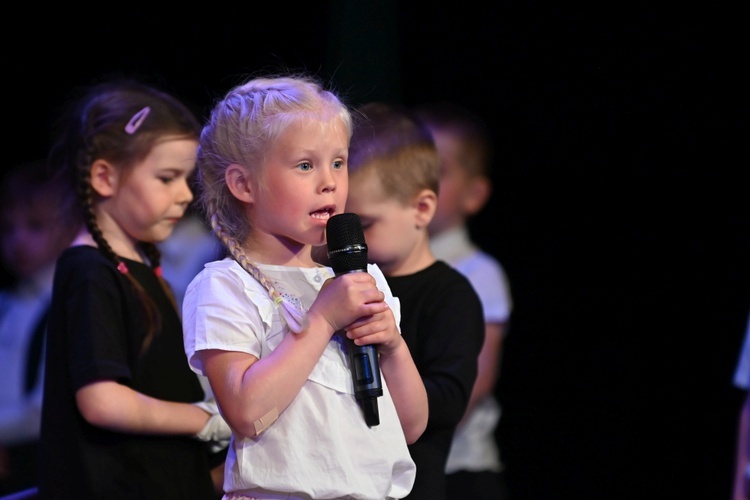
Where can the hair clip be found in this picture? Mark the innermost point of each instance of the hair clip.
(158, 271)
(122, 267)
(137, 120)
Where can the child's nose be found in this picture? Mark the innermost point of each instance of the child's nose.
(186, 194)
(328, 180)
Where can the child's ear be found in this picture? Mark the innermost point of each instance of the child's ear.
(104, 178)
(425, 204)
(476, 195)
(238, 183)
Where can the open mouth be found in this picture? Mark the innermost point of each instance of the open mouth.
(323, 213)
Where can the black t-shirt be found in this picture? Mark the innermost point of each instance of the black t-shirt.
(443, 324)
(95, 332)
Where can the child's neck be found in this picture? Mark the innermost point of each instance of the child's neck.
(300, 257)
(84, 238)
(419, 259)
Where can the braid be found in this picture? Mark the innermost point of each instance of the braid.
(154, 257)
(86, 199)
(295, 318)
(118, 121)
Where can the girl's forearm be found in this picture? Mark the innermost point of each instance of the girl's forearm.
(407, 390)
(252, 395)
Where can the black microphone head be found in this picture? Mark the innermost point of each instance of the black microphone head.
(347, 250)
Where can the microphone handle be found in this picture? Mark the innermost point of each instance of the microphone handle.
(347, 252)
(366, 377)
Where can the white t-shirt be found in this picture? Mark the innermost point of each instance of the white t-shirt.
(320, 445)
(474, 447)
(21, 309)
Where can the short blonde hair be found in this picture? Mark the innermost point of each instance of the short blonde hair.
(390, 142)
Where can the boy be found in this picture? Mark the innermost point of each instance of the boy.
(463, 142)
(33, 232)
(394, 172)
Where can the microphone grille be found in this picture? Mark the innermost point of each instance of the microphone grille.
(343, 230)
(347, 251)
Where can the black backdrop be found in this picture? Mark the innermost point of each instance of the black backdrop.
(620, 209)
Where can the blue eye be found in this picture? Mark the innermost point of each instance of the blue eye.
(338, 165)
(305, 166)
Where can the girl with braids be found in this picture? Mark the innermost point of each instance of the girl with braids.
(123, 415)
(262, 323)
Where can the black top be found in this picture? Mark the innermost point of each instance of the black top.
(443, 325)
(96, 327)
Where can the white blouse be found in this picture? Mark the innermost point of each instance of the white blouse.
(320, 446)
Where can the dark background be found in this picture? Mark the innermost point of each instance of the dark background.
(620, 210)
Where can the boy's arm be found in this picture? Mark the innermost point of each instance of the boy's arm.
(488, 364)
(454, 323)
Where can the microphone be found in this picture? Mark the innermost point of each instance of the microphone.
(347, 253)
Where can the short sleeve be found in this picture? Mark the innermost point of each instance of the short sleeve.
(224, 310)
(382, 284)
(489, 280)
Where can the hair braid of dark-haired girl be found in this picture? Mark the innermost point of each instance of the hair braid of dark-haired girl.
(86, 199)
(154, 257)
